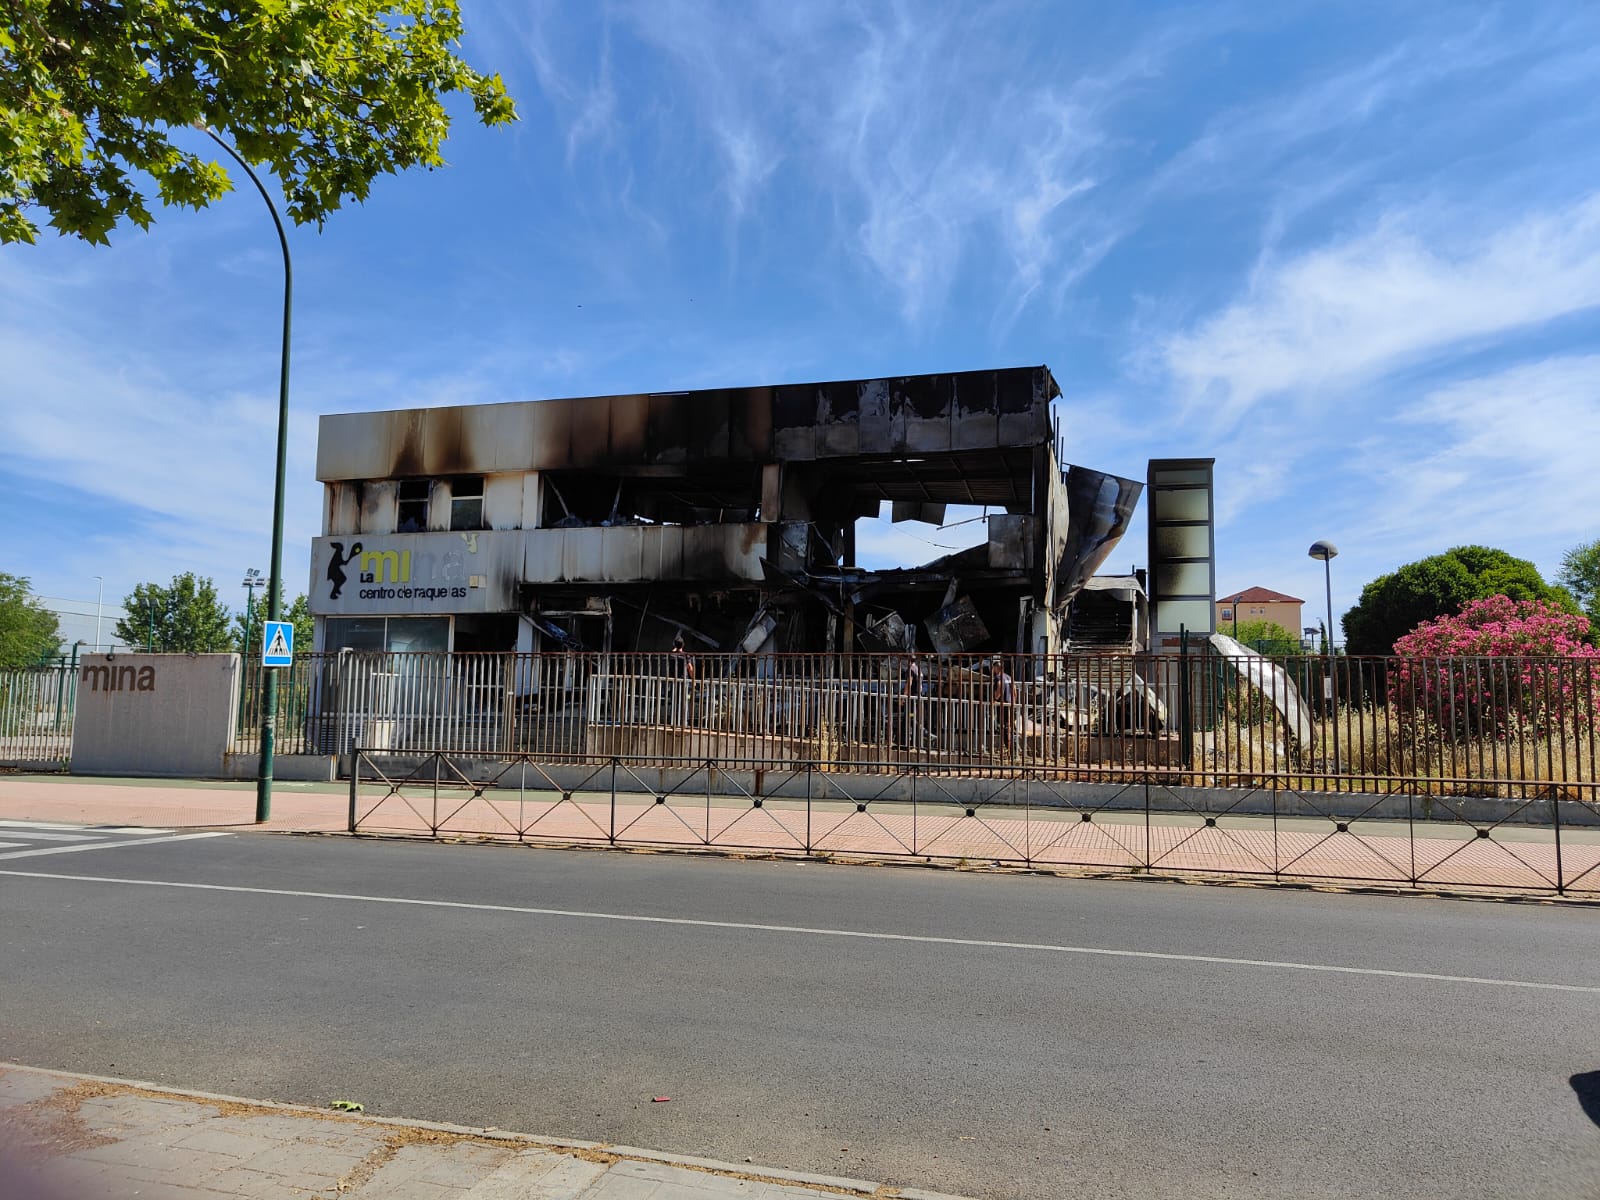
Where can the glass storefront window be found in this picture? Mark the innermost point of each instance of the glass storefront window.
(386, 633)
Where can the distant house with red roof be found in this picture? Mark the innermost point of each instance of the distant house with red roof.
(1259, 604)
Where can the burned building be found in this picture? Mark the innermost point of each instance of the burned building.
(725, 516)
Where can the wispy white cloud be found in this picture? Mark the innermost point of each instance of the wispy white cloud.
(1502, 454)
(1317, 325)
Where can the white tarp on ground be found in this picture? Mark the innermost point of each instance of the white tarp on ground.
(1272, 682)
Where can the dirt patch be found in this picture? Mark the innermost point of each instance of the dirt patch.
(52, 1126)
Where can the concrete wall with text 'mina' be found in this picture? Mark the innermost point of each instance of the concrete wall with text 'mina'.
(154, 714)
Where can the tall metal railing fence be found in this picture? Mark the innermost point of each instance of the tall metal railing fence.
(37, 705)
(1519, 729)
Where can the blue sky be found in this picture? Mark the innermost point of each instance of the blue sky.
(1351, 251)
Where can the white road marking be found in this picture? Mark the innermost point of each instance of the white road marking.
(39, 835)
(809, 931)
(8, 845)
(110, 845)
(7, 824)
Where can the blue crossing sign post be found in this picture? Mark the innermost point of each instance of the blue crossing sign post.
(277, 644)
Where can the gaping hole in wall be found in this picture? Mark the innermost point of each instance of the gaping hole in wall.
(486, 633)
(651, 496)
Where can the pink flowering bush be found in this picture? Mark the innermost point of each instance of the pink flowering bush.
(1499, 668)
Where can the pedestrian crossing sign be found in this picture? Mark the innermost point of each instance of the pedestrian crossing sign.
(277, 644)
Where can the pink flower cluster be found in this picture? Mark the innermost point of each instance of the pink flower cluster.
(1537, 688)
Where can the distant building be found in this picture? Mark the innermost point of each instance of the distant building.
(1259, 604)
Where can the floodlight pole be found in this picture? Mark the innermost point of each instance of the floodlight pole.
(1327, 551)
(269, 675)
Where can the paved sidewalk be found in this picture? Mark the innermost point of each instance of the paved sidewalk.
(1442, 855)
(172, 803)
(78, 1137)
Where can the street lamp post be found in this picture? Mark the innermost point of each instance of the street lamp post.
(1327, 552)
(99, 604)
(269, 676)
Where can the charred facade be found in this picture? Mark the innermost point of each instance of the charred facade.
(727, 517)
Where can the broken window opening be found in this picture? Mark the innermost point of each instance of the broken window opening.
(466, 502)
(411, 515)
(578, 499)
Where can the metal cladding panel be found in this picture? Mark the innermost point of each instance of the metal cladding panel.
(877, 436)
(352, 446)
(630, 426)
(508, 439)
(975, 423)
(541, 557)
(927, 412)
(750, 425)
(588, 433)
(916, 413)
(667, 436)
(1099, 508)
(663, 553)
(719, 553)
(622, 551)
(838, 419)
(794, 423)
(708, 425)
(1011, 542)
(582, 556)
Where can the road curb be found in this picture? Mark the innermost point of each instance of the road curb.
(1425, 891)
(840, 1184)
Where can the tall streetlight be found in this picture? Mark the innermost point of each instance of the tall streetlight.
(98, 606)
(269, 676)
(1327, 552)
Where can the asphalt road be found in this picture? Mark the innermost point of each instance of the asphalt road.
(989, 1047)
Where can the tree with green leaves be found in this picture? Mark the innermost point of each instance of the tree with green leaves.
(185, 617)
(1392, 605)
(1580, 575)
(1267, 636)
(297, 614)
(29, 632)
(328, 96)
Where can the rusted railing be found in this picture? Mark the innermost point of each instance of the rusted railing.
(1517, 729)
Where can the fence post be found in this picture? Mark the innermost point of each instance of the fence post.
(355, 768)
(1555, 820)
(611, 832)
(809, 768)
(1185, 717)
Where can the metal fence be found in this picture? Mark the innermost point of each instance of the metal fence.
(1025, 817)
(36, 712)
(1515, 729)
(1522, 731)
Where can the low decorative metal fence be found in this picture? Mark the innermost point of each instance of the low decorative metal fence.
(1148, 822)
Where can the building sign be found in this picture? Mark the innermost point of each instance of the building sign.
(401, 573)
